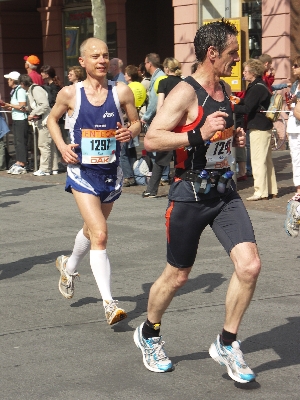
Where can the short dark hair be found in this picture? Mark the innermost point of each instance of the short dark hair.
(25, 79)
(264, 58)
(154, 59)
(132, 72)
(143, 70)
(51, 72)
(213, 34)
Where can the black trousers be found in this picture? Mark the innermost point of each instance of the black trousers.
(20, 131)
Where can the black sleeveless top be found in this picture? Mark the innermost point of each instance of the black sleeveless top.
(195, 157)
(210, 156)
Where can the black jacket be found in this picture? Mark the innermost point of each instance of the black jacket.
(257, 98)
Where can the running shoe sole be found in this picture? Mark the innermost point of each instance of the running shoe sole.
(118, 316)
(66, 295)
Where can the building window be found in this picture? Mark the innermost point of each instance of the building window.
(78, 26)
(252, 10)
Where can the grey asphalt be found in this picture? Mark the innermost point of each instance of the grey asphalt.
(53, 348)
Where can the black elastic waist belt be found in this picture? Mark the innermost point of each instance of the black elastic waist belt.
(192, 175)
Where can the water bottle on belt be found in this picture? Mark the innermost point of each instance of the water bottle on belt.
(202, 185)
(223, 180)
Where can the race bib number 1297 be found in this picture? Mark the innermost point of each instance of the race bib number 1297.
(98, 146)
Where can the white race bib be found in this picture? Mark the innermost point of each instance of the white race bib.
(219, 151)
(98, 146)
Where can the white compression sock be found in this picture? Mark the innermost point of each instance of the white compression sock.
(81, 247)
(101, 269)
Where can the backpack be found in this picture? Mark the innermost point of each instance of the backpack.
(276, 104)
(142, 170)
(51, 96)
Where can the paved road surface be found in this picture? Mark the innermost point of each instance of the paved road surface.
(52, 348)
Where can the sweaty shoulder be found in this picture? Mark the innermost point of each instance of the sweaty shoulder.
(124, 92)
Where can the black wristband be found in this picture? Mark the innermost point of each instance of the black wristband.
(195, 138)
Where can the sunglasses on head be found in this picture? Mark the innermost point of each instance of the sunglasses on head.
(295, 66)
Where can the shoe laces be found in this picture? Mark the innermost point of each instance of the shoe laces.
(111, 306)
(237, 353)
(156, 348)
(71, 278)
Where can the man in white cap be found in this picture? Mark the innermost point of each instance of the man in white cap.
(31, 64)
(19, 123)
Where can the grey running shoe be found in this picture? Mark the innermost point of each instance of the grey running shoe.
(113, 313)
(66, 281)
(154, 356)
(292, 221)
(233, 359)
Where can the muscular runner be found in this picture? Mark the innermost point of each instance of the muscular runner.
(196, 121)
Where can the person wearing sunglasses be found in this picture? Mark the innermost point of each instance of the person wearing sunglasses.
(293, 131)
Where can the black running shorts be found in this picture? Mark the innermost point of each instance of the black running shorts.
(185, 221)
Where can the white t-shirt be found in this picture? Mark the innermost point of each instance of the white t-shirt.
(293, 124)
(19, 96)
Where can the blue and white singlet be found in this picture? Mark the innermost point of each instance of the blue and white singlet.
(94, 129)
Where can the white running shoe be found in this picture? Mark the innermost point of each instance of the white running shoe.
(113, 313)
(233, 359)
(39, 172)
(18, 170)
(9, 171)
(66, 281)
(154, 356)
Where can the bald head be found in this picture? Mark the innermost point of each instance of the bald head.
(91, 43)
(114, 66)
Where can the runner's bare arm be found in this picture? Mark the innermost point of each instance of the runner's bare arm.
(180, 108)
(64, 101)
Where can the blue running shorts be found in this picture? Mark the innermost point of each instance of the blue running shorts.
(185, 222)
(106, 186)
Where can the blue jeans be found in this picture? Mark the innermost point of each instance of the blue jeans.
(127, 159)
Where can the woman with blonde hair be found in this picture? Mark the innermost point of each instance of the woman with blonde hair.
(161, 167)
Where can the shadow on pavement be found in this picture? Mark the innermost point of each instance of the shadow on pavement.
(22, 191)
(208, 281)
(8, 203)
(282, 340)
(23, 265)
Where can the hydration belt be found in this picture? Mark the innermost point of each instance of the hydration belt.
(192, 175)
(205, 180)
